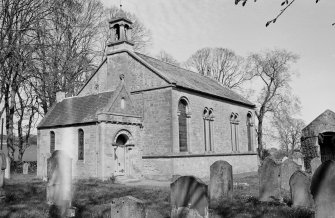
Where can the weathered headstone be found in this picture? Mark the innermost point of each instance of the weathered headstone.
(315, 163)
(127, 206)
(7, 170)
(25, 168)
(221, 183)
(287, 168)
(3, 164)
(323, 189)
(45, 158)
(300, 185)
(59, 187)
(269, 184)
(191, 192)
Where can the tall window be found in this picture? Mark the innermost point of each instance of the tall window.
(52, 141)
(80, 144)
(250, 125)
(234, 122)
(182, 117)
(208, 128)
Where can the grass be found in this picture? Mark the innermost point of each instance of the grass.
(26, 197)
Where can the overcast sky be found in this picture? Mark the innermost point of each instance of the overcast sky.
(180, 27)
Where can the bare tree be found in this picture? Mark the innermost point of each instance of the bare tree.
(27, 114)
(17, 19)
(272, 68)
(289, 132)
(164, 56)
(285, 4)
(65, 52)
(220, 64)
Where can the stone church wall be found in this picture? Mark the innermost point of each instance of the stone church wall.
(66, 139)
(222, 125)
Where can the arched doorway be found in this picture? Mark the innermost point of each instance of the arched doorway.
(326, 141)
(122, 146)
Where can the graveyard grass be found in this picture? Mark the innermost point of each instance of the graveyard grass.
(26, 197)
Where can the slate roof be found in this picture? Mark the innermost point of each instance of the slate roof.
(192, 80)
(76, 110)
(326, 118)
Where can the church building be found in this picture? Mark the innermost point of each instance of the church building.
(140, 117)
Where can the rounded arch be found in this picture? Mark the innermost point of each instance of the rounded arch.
(123, 137)
(186, 103)
(249, 118)
(234, 117)
(211, 113)
(205, 112)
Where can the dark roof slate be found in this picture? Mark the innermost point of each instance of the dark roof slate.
(76, 110)
(191, 80)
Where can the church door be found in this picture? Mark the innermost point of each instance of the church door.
(120, 154)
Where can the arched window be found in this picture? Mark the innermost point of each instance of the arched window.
(234, 122)
(182, 118)
(249, 131)
(80, 144)
(208, 128)
(52, 141)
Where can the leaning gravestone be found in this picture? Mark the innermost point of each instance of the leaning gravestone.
(269, 185)
(323, 190)
(221, 183)
(287, 168)
(190, 192)
(127, 206)
(300, 185)
(25, 168)
(59, 187)
(315, 163)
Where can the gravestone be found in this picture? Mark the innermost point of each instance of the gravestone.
(300, 185)
(3, 164)
(25, 168)
(315, 163)
(191, 192)
(127, 206)
(221, 183)
(7, 170)
(269, 184)
(59, 187)
(323, 189)
(287, 168)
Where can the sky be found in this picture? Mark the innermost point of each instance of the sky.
(181, 27)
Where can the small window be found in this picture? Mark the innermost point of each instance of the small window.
(80, 144)
(123, 103)
(52, 141)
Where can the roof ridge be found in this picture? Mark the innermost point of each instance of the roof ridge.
(191, 71)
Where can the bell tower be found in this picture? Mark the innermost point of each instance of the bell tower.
(120, 27)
